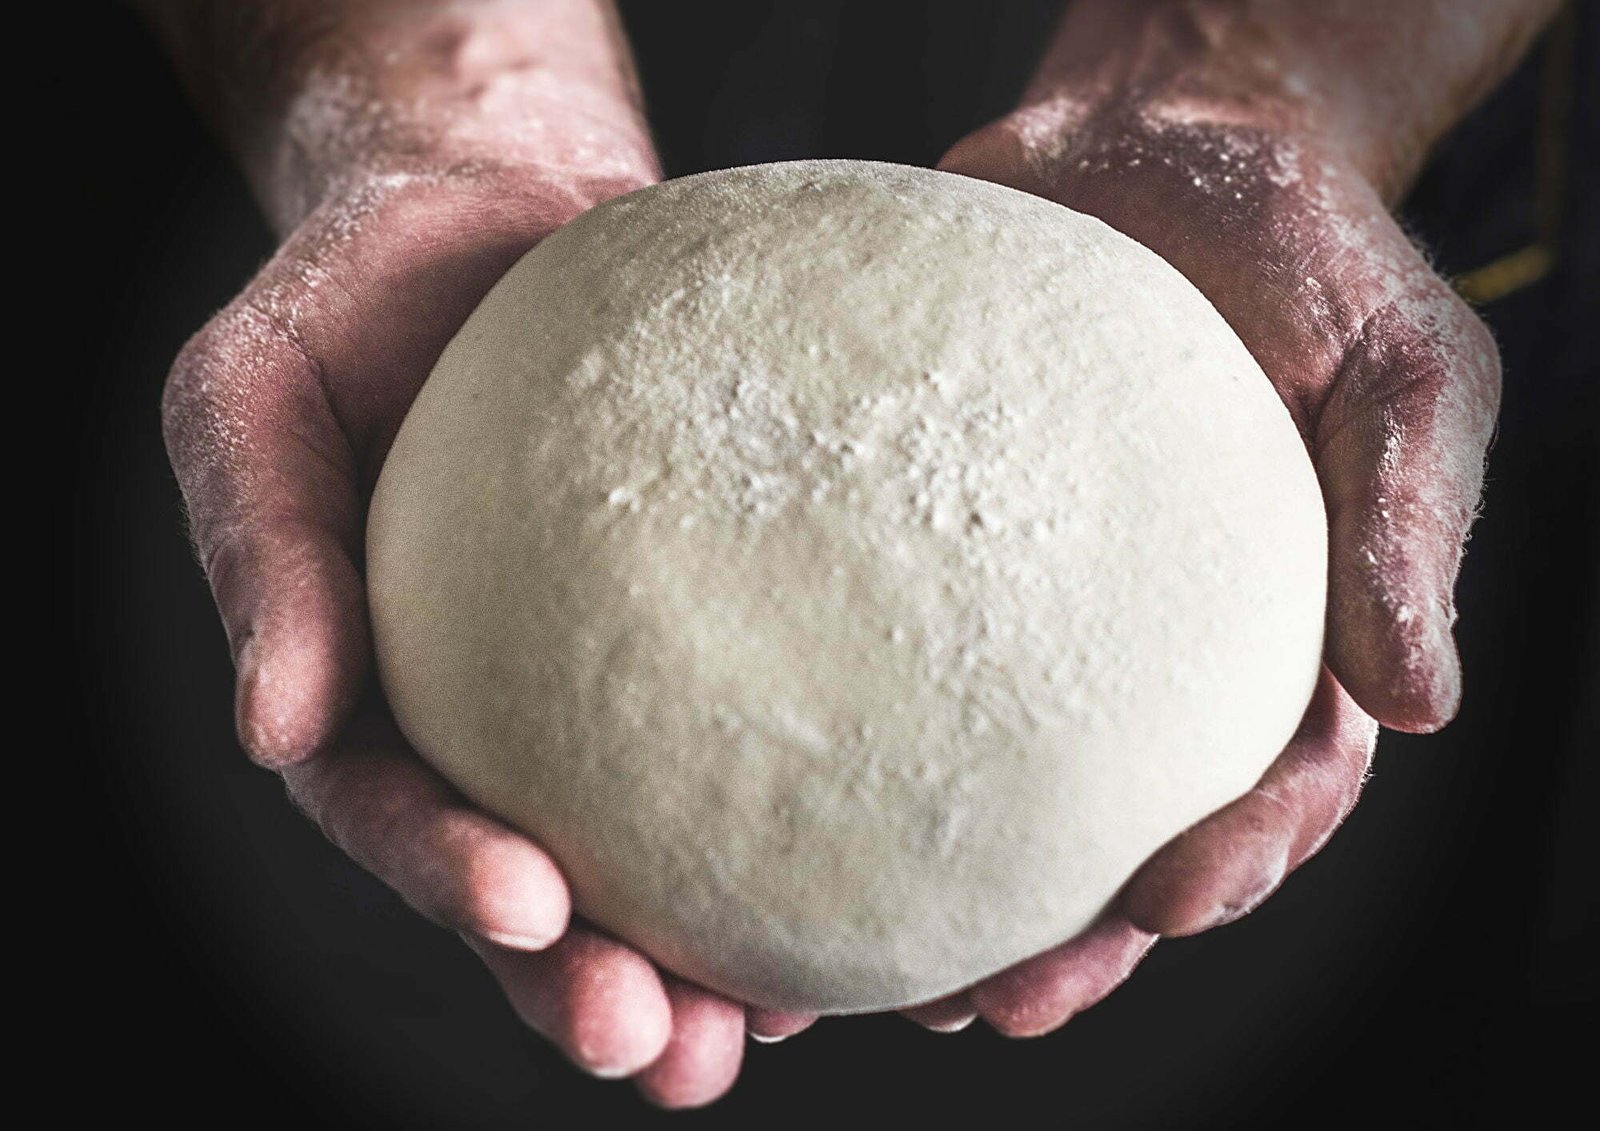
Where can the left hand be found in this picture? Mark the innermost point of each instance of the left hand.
(1393, 383)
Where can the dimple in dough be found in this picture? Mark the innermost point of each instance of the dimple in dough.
(850, 573)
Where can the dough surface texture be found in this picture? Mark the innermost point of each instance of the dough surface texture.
(850, 573)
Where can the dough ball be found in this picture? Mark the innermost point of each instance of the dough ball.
(850, 573)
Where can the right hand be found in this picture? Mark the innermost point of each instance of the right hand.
(277, 417)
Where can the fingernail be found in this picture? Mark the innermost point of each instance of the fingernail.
(955, 1026)
(602, 1066)
(520, 942)
(766, 1039)
(1252, 897)
(606, 1071)
(1022, 1027)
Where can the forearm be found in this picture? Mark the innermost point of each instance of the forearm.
(1381, 80)
(309, 94)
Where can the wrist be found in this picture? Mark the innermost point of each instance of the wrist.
(337, 139)
(1123, 71)
(1371, 86)
(323, 99)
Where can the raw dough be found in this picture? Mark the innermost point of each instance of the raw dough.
(850, 573)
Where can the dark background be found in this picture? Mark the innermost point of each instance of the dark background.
(1437, 959)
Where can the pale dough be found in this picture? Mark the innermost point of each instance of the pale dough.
(850, 573)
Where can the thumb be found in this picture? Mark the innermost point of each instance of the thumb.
(269, 485)
(1400, 450)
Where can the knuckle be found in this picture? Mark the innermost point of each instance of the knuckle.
(214, 354)
(1482, 369)
(1426, 371)
(363, 820)
(997, 150)
(223, 380)
(239, 394)
(225, 554)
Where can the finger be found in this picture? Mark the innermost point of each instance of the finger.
(601, 1002)
(269, 486)
(1400, 452)
(1042, 994)
(946, 1015)
(703, 1054)
(995, 153)
(772, 1025)
(1223, 867)
(395, 817)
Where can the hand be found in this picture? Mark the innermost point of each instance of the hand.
(278, 415)
(409, 153)
(1393, 383)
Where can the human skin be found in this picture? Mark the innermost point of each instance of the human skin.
(408, 153)
(1258, 148)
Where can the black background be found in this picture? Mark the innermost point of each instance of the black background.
(1437, 959)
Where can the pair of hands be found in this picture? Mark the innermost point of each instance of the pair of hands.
(279, 413)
